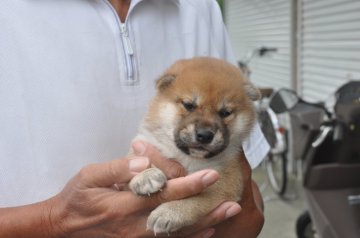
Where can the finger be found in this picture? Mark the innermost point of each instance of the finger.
(179, 188)
(205, 226)
(221, 213)
(207, 233)
(112, 172)
(183, 187)
(170, 167)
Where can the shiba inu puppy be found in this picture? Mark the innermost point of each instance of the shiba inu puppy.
(200, 116)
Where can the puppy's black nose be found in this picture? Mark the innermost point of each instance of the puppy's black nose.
(204, 136)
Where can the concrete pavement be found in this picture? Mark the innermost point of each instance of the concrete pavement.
(280, 214)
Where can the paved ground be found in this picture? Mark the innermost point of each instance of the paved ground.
(280, 214)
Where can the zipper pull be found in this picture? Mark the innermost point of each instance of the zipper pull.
(126, 40)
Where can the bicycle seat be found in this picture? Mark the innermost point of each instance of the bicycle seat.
(266, 92)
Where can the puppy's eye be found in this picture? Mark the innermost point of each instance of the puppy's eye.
(189, 106)
(224, 113)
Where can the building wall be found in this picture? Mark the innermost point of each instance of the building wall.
(257, 23)
(329, 52)
(318, 42)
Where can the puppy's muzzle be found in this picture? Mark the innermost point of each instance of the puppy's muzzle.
(201, 140)
(204, 136)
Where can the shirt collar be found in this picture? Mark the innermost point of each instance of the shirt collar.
(135, 2)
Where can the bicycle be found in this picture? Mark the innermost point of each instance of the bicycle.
(276, 161)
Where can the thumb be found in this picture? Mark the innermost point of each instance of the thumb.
(112, 172)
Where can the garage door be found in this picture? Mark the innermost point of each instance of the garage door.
(256, 23)
(330, 46)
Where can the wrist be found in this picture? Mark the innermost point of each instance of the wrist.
(52, 218)
(32, 220)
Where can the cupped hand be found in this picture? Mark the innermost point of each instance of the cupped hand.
(173, 169)
(226, 220)
(90, 205)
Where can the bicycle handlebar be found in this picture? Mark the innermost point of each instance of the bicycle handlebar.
(263, 50)
(260, 51)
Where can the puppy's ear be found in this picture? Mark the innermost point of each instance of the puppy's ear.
(252, 92)
(165, 81)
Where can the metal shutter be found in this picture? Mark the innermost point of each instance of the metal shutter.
(329, 46)
(254, 23)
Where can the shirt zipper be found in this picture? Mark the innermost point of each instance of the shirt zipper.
(127, 47)
(129, 53)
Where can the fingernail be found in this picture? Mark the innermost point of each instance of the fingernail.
(232, 211)
(139, 148)
(209, 233)
(138, 164)
(209, 178)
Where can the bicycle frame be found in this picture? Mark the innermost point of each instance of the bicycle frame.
(280, 145)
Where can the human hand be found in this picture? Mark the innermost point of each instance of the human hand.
(89, 206)
(249, 222)
(172, 169)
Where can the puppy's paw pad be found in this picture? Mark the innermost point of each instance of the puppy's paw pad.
(148, 182)
(165, 221)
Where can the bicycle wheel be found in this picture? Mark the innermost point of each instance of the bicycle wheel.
(277, 172)
(275, 164)
(304, 226)
(267, 127)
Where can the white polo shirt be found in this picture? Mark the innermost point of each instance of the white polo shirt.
(75, 83)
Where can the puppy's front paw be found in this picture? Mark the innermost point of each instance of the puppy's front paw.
(170, 217)
(148, 182)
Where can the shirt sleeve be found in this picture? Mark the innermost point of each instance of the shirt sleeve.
(255, 147)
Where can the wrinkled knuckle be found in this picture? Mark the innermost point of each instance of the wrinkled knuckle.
(163, 196)
(175, 170)
(112, 170)
(217, 218)
(86, 171)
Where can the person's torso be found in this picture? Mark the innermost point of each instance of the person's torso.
(74, 83)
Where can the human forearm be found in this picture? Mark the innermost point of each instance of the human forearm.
(27, 221)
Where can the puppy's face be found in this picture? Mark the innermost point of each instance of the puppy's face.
(203, 105)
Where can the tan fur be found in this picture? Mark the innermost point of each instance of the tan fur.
(197, 95)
